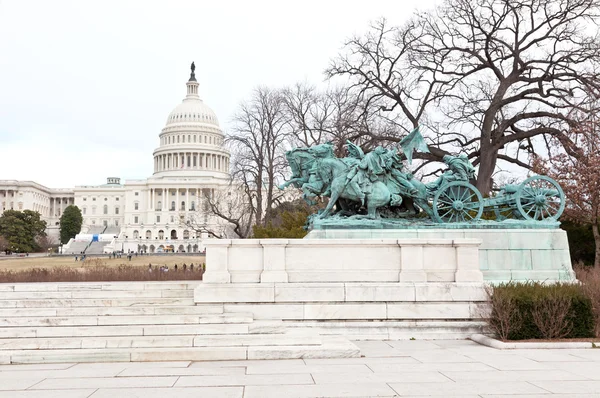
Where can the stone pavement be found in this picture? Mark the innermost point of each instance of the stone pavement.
(392, 368)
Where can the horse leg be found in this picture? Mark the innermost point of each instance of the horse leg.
(335, 195)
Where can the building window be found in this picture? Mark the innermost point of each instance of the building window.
(137, 194)
(117, 199)
(93, 222)
(148, 234)
(183, 206)
(135, 219)
(172, 219)
(117, 210)
(105, 199)
(136, 234)
(136, 206)
(193, 206)
(173, 206)
(93, 199)
(157, 219)
(116, 223)
(84, 199)
(105, 209)
(161, 234)
(93, 210)
(159, 205)
(105, 223)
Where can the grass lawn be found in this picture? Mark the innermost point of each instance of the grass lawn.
(24, 263)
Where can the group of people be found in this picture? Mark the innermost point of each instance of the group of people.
(165, 268)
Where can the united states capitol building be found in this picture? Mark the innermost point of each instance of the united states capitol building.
(148, 215)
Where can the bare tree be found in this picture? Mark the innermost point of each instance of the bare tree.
(335, 115)
(259, 141)
(223, 213)
(578, 173)
(502, 73)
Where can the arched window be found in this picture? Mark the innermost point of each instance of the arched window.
(159, 205)
(186, 234)
(173, 206)
(136, 234)
(161, 234)
(84, 210)
(189, 138)
(195, 138)
(105, 209)
(178, 137)
(148, 234)
(183, 206)
(193, 206)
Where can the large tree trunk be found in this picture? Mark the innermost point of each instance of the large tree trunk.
(596, 232)
(487, 165)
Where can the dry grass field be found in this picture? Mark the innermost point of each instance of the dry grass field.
(25, 263)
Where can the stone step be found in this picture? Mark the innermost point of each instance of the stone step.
(231, 340)
(66, 303)
(383, 330)
(331, 347)
(129, 330)
(85, 294)
(93, 311)
(114, 320)
(72, 286)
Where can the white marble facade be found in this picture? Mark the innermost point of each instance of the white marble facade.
(146, 214)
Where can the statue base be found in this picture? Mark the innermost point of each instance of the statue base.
(507, 252)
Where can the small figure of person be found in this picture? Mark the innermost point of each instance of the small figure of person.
(166, 268)
(75, 258)
(150, 268)
(192, 267)
(184, 267)
(175, 267)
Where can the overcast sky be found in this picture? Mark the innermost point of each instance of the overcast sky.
(86, 86)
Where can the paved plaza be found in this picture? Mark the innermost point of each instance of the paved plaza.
(393, 368)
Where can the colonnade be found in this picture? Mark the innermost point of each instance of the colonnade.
(161, 199)
(47, 206)
(191, 160)
(58, 205)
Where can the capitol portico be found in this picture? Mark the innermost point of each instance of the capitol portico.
(149, 215)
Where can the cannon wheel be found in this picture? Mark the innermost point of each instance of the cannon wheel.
(537, 199)
(457, 201)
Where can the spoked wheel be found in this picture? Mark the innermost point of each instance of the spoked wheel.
(540, 198)
(457, 201)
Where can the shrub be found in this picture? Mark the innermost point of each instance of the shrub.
(95, 271)
(534, 310)
(590, 283)
(504, 316)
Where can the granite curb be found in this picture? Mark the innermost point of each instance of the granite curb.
(500, 345)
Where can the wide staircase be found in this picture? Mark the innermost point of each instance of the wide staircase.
(141, 321)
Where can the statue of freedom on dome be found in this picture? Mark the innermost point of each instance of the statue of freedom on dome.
(193, 67)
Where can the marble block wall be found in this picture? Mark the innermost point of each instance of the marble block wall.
(342, 260)
(504, 254)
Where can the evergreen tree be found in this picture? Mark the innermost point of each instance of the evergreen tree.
(70, 223)
(21, 228)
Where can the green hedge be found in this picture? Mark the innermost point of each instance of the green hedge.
(527, 294)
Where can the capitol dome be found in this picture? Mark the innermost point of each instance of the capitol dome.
(191, 143)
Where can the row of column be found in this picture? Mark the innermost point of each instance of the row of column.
(191, 160)
(55, 208)
(58, 206)
(166, 198)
